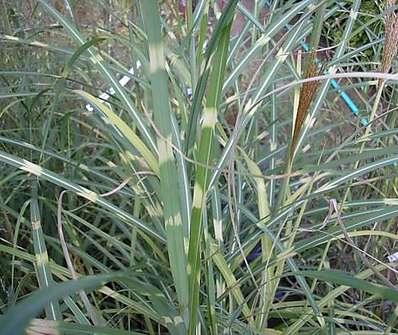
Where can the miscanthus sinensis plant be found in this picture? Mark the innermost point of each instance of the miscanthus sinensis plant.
(191, 168)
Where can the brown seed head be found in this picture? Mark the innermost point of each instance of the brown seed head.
(307, 93)
(391, 37)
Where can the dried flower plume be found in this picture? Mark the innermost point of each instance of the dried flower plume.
(307, 93)
(391, 36)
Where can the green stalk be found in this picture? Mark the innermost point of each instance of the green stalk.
(374, 109)
(192, 45)
(267, 285)
(204, 151)
(44, 275)
(168, 170)
(201, 39)
(318, 24)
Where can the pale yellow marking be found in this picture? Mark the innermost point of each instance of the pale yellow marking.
(353, 14)
(89, 195)
(35, 225)
(156, 58)
(32, 168)
(39, 44)
(96, 59)
(174, 220)
(273, 146)
(197, 198)
(306, 148)
(12, 38)
(41, 258)
(210, 117)
(309, 121)
(178, 320)
(281, 55)
(391, 201)
(167, 319)
(111, 164)
(186, 245)
(263, 40)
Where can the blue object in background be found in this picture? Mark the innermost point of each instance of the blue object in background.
(346, 98)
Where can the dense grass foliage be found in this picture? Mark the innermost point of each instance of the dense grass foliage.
(193, 168)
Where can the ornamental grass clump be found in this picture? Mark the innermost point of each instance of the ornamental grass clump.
(132, 201)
